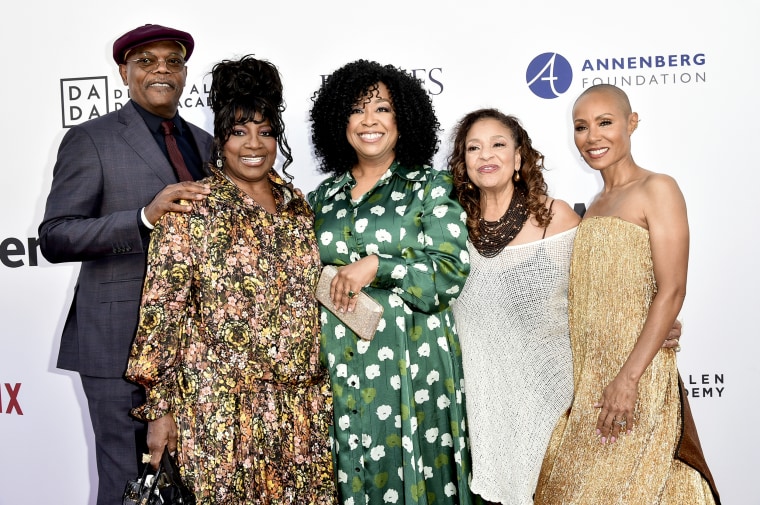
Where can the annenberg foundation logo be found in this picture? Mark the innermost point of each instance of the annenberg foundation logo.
(85, 98)
(549, 75)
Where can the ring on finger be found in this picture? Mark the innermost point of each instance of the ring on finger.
(351, 294)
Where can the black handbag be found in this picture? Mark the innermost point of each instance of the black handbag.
(164, 487)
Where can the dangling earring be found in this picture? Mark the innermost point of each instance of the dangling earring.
(219, 163)
(516, 177)
(470, 186)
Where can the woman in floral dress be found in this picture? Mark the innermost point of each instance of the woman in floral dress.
(228, 342)
(389, 222)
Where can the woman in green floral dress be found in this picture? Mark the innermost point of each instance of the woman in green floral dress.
(228, 342)
(389, 222)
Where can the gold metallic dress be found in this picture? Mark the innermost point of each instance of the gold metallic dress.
(612, 285)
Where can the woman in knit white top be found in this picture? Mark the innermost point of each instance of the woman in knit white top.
(512, 313)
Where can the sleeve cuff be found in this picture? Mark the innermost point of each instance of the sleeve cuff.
(144, 219)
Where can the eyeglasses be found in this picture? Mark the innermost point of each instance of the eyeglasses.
(150, 63)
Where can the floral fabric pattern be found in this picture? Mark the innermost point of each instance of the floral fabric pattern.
(228, 342)
(399, 431)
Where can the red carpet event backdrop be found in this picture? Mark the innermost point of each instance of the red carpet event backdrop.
(688, 68)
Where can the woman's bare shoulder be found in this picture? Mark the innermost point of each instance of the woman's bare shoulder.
(563, 217)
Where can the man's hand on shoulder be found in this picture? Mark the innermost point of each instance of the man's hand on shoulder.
(167, 200)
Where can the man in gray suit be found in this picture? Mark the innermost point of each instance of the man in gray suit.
(112, 181)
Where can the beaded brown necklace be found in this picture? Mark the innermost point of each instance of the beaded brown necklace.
(495, 235)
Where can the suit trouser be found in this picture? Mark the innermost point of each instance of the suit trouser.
(120, 440)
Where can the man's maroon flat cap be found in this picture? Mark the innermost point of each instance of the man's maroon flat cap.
(147, 34)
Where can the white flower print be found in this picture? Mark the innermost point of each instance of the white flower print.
(353, 381)
(384, 412)
(438, 192)
(406, 443)
(391, 496)
(450, 489)
(401, 210)
(377, 452)
(330, 359)
(427, 472)
(452, 290)
(382, 235)
(327, 208)
(341, 247)
(421, 396)
(399, 272)
(344, 422)
(340, 331)
(326, 238)
(432, 377)
(362, 346)
(341, 213)
(440, 211)
(353, 441)
(395, 300)
(443, 343)
(397, 195)
(385, 353)
(395, 382)
(401, 323)
(341, 370)
(454, 229)
(378, 210)
(443, 402)
(431, 435)
(424, 350)
(433, 322)
(366, 440)
(361, 224)
(413, 369)
(342, 476)
(372, 371)
(446, 440)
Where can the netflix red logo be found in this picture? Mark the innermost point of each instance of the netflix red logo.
(9, 399)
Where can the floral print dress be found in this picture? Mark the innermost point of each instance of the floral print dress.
(399, 430)
(228, 342)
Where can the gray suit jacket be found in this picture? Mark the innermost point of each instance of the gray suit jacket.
(107, 170)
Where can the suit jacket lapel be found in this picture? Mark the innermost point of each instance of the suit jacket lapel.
(137, 135)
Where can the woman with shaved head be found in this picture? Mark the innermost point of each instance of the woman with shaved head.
(629, 437)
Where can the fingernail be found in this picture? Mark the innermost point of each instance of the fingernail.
(612, 440)
(604, 440)
(598, 432)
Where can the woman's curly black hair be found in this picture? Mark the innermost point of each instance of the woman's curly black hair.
(416, 121)
(239, 90)
(531, 167)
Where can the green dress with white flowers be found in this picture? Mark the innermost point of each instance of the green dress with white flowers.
(400, 432)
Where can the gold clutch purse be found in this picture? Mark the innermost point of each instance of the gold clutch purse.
(366, 315)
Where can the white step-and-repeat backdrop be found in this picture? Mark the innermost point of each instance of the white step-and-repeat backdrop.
(689, 68)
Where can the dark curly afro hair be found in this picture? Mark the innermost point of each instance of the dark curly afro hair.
(417, 124)
(239, 90)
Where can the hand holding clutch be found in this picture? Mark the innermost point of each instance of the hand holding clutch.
(366, 314)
